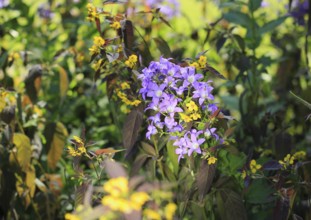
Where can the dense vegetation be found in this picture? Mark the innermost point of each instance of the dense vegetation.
(146, 109)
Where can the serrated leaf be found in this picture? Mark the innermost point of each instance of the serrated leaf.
(131, 128)
(56, 145)
(205, 178)
(271, 25)
(163, 47)
(23, 151)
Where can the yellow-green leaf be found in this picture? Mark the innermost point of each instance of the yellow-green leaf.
(22, 151)
(57, 145)
(30, 180)
(63, 82)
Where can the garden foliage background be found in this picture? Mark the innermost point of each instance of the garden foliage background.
(73, 123)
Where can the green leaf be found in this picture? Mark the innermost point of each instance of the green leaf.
(56, 145)
(238, 18)
(259, 192)
(240, 41)
(148, 149)
(302, 101)
(163, 47)
(63, 82)
(254, 4)
(173, 157)
(271, 25)
(23, 151)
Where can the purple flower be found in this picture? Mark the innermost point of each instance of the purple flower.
(181, 151)
(203, 92)
(156, 120)
(151, 131)
(45, 12)
(4, 3)
(300, 11)
(169, 105)
(212, 108)
(194, 142)
(210, 132)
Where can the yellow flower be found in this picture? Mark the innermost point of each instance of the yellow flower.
(69, 216)
(91, 12)
(98, 41)
(117, 186)
(152, 215)
(117, 204)
(195, 64)
(300, 155)
(185, 117)
(195, 116)
(94, 50)
(191, 106)
(133, 58)
(116, 25)
(211, 160)
(125, 85)
(170, 210)
(202, 61)
(73, 152)
(254, 166)
(138, 199)
(78, 140)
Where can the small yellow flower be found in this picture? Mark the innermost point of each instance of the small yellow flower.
(170, 210)
(195, 65)
(69, 216)
(254, 166)
(138, 199)
(152, 215)
(185, 117)
(98, 41)
(125, 85)
(202, 61)
(300, 155)
(243, 174)
(116, 25)
(94, 50)
(117, 186)
(211, 160)
(195, 116)
(133, 58)
(191, 106)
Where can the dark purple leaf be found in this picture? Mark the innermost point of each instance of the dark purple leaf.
(205, 178)
(272, 165)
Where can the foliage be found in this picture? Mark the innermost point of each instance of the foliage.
(143, 110)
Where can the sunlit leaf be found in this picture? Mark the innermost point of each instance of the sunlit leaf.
(30, 180)
(63, 82)
(271, 25)
(56, 145)
(22, 155)
(173, 157)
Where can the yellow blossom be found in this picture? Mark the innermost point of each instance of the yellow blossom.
(94, 50)
(138, 199)
(116, 25)
(195, 64)
(211, 160)
(69, 216)
(133, 58)
(92, 14)
(300, 155)
(98, 41)
(195, 116)
(77, 140)
(254, 166)
(185, 117)
(117, 186)
(125, 85)
(191, 106)
(117, 204)
(73, 152)
(243, 174)
(170, 210)
(152, 215)
(202, 61)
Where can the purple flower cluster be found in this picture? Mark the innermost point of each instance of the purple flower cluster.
(299, 11)
(170, 89)
(169, 8)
